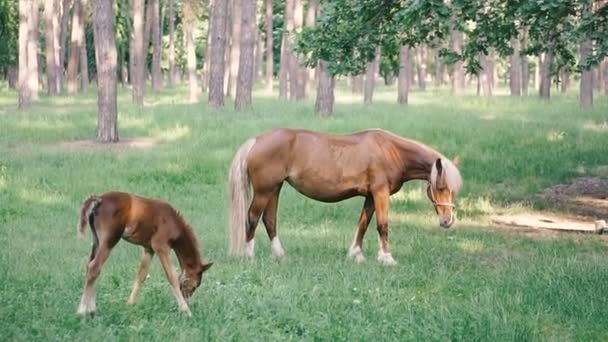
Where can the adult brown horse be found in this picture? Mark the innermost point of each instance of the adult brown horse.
(330, 168)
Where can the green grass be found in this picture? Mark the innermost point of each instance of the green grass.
(471, 282)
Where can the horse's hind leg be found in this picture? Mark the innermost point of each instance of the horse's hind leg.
(258, 204)
(356, 249)
(87, 302)
(270, 221)
(381, 203)
(141, 275)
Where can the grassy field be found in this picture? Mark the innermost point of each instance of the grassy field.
(473, 282)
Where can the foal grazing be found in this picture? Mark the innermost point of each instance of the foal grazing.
(330, 168)
(153, 224)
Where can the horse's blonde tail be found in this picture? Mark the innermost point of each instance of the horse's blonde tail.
(239, 198)
(89, 205)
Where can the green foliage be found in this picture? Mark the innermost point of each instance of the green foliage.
(9, 31)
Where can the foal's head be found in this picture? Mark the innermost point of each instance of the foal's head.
(189, 281)
(444, 183)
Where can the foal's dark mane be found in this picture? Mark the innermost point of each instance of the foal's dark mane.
(187, 243)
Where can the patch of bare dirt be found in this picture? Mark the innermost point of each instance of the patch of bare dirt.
(585, 196)
(123, 144)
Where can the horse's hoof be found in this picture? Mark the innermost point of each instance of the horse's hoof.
(386, 259)
(357, 254)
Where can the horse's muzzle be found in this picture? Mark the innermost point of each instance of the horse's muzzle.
(446, 223)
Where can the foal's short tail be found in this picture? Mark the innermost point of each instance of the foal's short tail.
(239, 198)
(89, 205)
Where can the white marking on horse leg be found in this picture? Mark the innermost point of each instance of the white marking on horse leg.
(249, 248)
(356, 253)
(386, 258)
(277, 248)
(92, 306)
(82, 308)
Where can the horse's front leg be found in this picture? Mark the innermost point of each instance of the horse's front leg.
(381, 203)
(356, 249)
(146, 259)
(165, 260)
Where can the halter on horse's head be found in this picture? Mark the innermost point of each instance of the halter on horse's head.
(444, 183)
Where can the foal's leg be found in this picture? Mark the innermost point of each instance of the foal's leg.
(356, 249)
(258, 204)
(165, 259)
(87, 302)
(270, 222)
(141, 275)
(381, 203)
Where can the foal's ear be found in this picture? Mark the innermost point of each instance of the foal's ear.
(206, 267)
(456, 162)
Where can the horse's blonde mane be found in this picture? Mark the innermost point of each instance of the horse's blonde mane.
(449, 172)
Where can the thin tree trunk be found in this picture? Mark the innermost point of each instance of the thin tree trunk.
(370, 78)
(259, 56)
(311, 17)
(269, 47)
(208, 47)
(299, 71)
(189, 8)
(586, 84)
(63, 39)
(485, 75)
(285, 76)
(50, 7)
(324, 103)
(421, 66)
(545, 75)
(246, 56)
(235, 47)
(565, 80)
(105, 56)
(525, 69)
(157, 77)
(32, 51)
(216, 55)
(84, 60)
(138, 56)
(172, 43)
(457, 80)
(403, 79)
(515, 69)
(76, 44)
(606, 76)
(357, 84)
(25, 92)
(227, 49)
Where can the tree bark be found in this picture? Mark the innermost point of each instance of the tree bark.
(172, 43)
(216, 55)
(357, 84)
(545, 75)
(32, 50)
(63, 39)
(586, 84)
(246, 56)
(235, 46)
(208, 47)
(403, 79)
(138, 55)
(259, 56)
(157, 77)
(77, 38)
(606, 76)
(324, 103)
(189, 8)
(25, 92)
(525, 69)
(84, 60)
(311, 17)
(290, 59)
(485, 81)
(370, 78)
(50, 16)
(515, 69)
(457, 79)
(269, 47)
(105, 57)
(298, 71)
(565, 80)
(283, 69)
(421, 66)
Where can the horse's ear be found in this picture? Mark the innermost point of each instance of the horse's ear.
(456, 162)
(439, 167)
(206, 267)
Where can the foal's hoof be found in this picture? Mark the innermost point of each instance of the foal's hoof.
(386, 259)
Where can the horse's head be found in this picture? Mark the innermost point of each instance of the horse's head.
(189, 281)
(444, 183)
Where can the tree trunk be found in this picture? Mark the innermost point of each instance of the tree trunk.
(545, 75)
(285, 79)
(189, 8)
(586, 84)
(421, 66)
(403, 79)
(606, 76)
(84, 60)
(246, 56)
(172, 43)
(76, 44)
(208, 47)
(32, 50)
(292, 62)
(105, 57)
(357, 84)
(269, 47)
(324, 104)
(525, 69)
(50, 16)
(138, 55)
(485, 77)
(311, 17)
(157, 76)
(216, 54)
(25, 92)
(259, 56)
(370, 78)
(63, 39)
(457, 80)
(515, 68)
(565, 80)
(235, 46)
(299, 71)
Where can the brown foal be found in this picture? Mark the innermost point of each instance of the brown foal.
(373, 164)
(153, 224)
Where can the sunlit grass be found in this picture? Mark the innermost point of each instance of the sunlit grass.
(471, 282)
